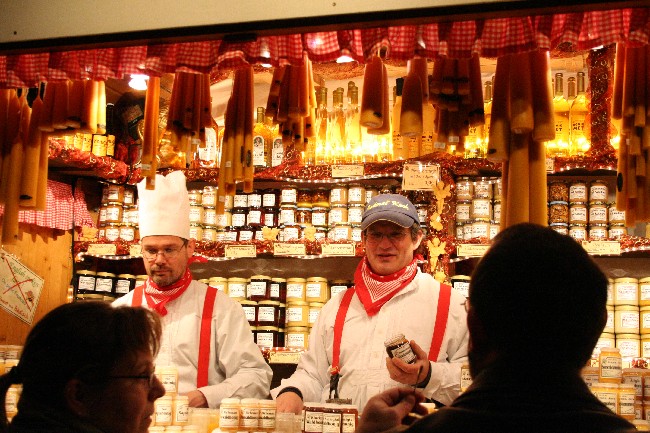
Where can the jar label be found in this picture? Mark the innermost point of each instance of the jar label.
(349, 423)
(104, 285)
(481, 208)
(404, 352)
(295, 290)
(210, 217)
(237, 290)
(122, 286)
(249, 312)
(288, 195)
(313, 315)
(626, 403)
(626, 292)
(287, 216)
(254, 217)
(356, 195)
(113, 193)
(578, 214)
(610, 367)
(113, 214)
(319, 219)
(637, 381)
(112, 233)
(240, 200)
(228, 417)
(258, 152)
(497, 211)
(257, 288)
(264, 339)
(313, 421)
(483, 190)
(274, 292)
(480, 230)
(608, 398)
(164, 413)
(331, 422)
(337, 196)
(222, 220)
(629, 348)
(598, 193)
(182, 413)
(335, 290)
(127, 234)
(267, 418)
(336, 216)
(296, 340)
(294, 314)
(314, 290)
(87, 283)
(644, 292)
(463, 190)
(289, 233)
(238, 219)
(355, 215)
(196, 214)
(578, 192)
(630, 320)
(268, 199)
(254, 200)
(465, 378)
(250, 417)
(597, 214)
(462, 211)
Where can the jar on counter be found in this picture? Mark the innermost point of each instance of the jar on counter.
(290, 232)
(371, 191)
(319, 216)
(219, 283)
(268, 411)
(289, 195)
(317, 289)
(127, 232)
(313, 417)
(258, 288)
(268, 313)
(314, 311)
(115, 193)
(597, 231)
(356, 194)
(304, 198)
(245, 233)
(483, 188)
(229, 414)
(255, 199)
(124, 283)
(225, 219)
(267, 336)
(463, 211)
(321, 198)
(278, 289)
(86, 281)
(616, 216)
(598, 191)
(209, 196)
(578, 192)
(287, 214)
(339, 195)
(349, 417)
(105, 283)
(296, 290)
(578, 232)
(464, 189)
(303, 215)
(270, 198)
(195, 196)
(196, 231)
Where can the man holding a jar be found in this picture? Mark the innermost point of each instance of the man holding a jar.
(205, 334)
(349, 341)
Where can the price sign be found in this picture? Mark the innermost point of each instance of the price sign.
(102, 249)
(338, 249)
(550, 165)
(471, 250)
(348, 170)
(280, 249)
(135, 250)
(284, 357)
(236, 251)
(604, 248)
(20, 288)
(420, 177)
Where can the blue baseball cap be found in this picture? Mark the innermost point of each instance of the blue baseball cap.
(390, 207)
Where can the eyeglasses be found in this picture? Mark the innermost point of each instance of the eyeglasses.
(150, 254)
(149, 377)
(376, 237)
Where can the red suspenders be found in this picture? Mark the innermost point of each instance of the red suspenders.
(205, 333)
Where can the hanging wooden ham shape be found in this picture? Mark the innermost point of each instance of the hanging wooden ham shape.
(149, 161)
(522, 118)
(631, 104)
(372, 100)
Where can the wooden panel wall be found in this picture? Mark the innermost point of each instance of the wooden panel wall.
(47, 252)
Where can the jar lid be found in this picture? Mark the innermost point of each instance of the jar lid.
(266, 302)
(394, 339)
(237, 280)
(247, 302)
(249, 400)
(296, 304)
(625, 280)
(129, 276)
(260, 277)
(319, 279)
(105, 274)
(296, 280)
(217, 279)
(297, 329)
(316, 305)
(85, 272)
(279, 280)
(268, 328)
(340, 282)
(141, 277)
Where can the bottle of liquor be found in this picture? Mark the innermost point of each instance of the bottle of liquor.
(580, 131)
(321, 152)
(571, 89)
(428, 121)
(261, 141)
(487, 109)
(337, 136)
(352, 126)
(110, 129)
(400, 149)
(561, 110)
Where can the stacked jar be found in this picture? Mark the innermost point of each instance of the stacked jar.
(118, 214)
(329, 418)
(247, 415)
(606, 383)
(478, 207)
(558, 208)
(172, 410)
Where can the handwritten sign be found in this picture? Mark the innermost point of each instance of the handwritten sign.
(338, 249)
(348, 170)
(102, 249)
(471, 250)
(605, 248)
(135, 250)
(550, 165)
(236, 251)
(420, 177)
(280, 249)
(284, 357)
(21, 288)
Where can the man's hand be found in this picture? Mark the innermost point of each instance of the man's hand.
(197, 399)
(289, 402)
(390, 409)
(407, 374)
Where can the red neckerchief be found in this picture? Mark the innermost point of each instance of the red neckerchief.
(375, 290)
(157, 296)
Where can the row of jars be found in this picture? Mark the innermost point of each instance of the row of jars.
(478, 188)
(591, 232)
(477, 229)
(578, 191)
(88, 283)
(628, 291)
(599, 212)
(630, 345)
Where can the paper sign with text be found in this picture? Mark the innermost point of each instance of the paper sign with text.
(338, 249)
(420, 177)
(135, 250)
(236, 251)
(604, 248)
(471, 250)
(21, 288)
(343, 171)
(280, 249)
(102, 249)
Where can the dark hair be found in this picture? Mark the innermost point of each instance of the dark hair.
(536, 291)
(84, 340)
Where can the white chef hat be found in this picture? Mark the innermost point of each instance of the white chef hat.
(164, 210)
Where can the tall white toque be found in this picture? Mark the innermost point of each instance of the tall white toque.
(164, 210)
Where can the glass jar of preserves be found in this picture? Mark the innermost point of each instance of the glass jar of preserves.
(267, 336)
(626, 291)
(289, 195)
(239, 216)
(219, 283)
(496, 211)
(598, 191)
(209, 216)
(558, 212)
(338, 214)
(303, 215)
(616, 216)
(270, 217)
(349, 417)
(268, 313)
(196, 214)
(562, 228)
(297, 314)
(321, 233)
(124, 283)
(578, 192)
(483, 188)
(321, 198)
(339, 195)
(464, 189)
(304, 198)
(480, 228)
(113, 212)
(297, 336)
(371, 191)
(229, 414)
(112, 231)
(597, 232)
(313, 417)
(355, 213)
(250, 310)
(463, 211)
(86, 281)
(578, 213)
(115, 193)
(230, 234)
(287, 214)
(386, 189)
(290, 232)
(240, 200)
(481, 208)
(127, 232)
(129, 197)
(314, 311)
(339, 286)
(597, 213)
(317, 289)
(356, 233)
(245, 233)
(224, 219)
(356, 194)
(255, 199)
(558, 191)
(398, 346)
(578, 232)
(341, 232)
(195, 196)
(610, 365)
(208, 233)
(209, 196)
(319, 216)
(615, 231)
(270, 198)
(254, 217)
(105, 283)
(278, 290)
(296, 290)
(258, 288)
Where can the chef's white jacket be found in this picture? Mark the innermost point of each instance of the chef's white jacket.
(411, 312)
(237, 368)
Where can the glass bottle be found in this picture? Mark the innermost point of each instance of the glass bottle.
(580, 136)
(321, 152)
(400, 150)
(337, 138)
(353, 127)
(261, 141)
(562, 126)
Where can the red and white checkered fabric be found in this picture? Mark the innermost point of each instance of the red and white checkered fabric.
(63, 211)
(488, 38)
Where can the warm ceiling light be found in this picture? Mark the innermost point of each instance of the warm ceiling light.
(138, 81)
(344, 59)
